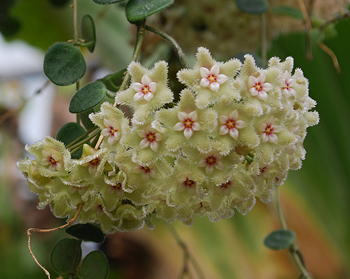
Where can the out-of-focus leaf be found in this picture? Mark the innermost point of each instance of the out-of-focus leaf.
(86, 232)
(279, 240)
(68, 133)
(137, 10)
(252, 6)
(65, 256)
(10, 26)
(64, 64)
(287, 11)
(59, 3)
(94, 266)
(88, 32)
(87, 97)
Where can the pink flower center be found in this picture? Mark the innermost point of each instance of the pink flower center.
(212, 78)
(230, 124)
(52, 161)
(189, 183)
(263, 170)
(151, 137)
(258, 86)
(287, 86)
(269, 130)
(188, 123)
(117, 187)
(226, 185)
(211, 160)
(146, 89)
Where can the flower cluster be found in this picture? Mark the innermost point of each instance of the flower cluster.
(233, 136)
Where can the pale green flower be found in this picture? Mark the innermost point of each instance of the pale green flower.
(186, 125)
(209, 79)
(148, 90)
(112, 123)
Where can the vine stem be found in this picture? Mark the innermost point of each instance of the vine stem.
(31, 230)
(75, 20)
(172, 41)
(135, 57)
(293, 250)
(263, 39)
(187, 256)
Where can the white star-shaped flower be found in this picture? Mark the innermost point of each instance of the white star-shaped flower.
(269, 131)
(188, 123)
(144, 90)
(288, 84)
(150, 139)
(258, 87)
(230, 124)
(110, 131)
(212, 78)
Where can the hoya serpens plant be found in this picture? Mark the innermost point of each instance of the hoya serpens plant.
(232, 138)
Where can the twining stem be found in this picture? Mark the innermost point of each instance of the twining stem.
(293, 250)
(332, 55)
(135, 57)
(187, 256)
(75, 20)
(171, 40)
(263, 39)
(31, 230)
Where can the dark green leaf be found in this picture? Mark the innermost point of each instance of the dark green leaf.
(65, 256)
(113, 81)
(88, 97)
(279, 240)
(86, 232)
(84, 117)
(59, 3)
(9, 26)
(64, 64)
(88, 32)
(105, 2)
(94, 266)
(137, 10)
(287, 11)
(70, 132)
(252, 6)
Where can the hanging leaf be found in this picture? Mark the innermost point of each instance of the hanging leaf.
(287, 11)
(106, 2)
(252, 6)
(137, 10)
(88, 32)
(70, 132)
(94, 266)
(86, 232)
(64, 64)
(113, 81)
(65, 256)
(279, 240)
(87, 97)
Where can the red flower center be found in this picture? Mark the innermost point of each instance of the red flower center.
(117, 187)
(211, 160)
(269, 130)
(188, 123)
(95, 162)
(52, 161)
(258, 86)
(146, 170)
(226, 185)
(151, 137)
(230, 124)
(112, 130)
(189, 183)
(146, 89)
(212, 78)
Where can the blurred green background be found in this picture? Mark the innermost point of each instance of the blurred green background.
(315, 198)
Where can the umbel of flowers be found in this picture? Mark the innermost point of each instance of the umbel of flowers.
(233, 136)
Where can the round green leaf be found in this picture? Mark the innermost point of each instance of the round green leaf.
(65, 256)
(87, 97)
(86, 232)
(70, 132)
(106, 2)
(94, 266)
(280, 239)
(137, 10)
(88, 32)
(64, 64)
(252, 6)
